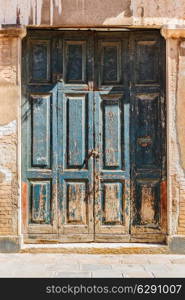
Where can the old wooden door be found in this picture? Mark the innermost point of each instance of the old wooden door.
(93, 132)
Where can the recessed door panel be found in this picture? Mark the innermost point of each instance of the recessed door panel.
(112, 203)
(110, 62)
(147, 61)
(77, 208)
(75, 61)
(147, 122)
(76, 127)
(112, 138)
(40, 202)
(39, 61)
(41, 106)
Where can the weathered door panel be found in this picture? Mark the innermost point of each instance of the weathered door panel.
(75, 140)
(111, 179)
(112, 163)
(39, 168)
(75, 168)
(41, 165)
(148, 138)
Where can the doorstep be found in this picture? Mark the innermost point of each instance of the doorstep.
(96, 248)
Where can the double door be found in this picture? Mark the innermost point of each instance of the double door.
(93, 136)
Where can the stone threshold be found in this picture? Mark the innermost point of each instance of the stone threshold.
(96, 248)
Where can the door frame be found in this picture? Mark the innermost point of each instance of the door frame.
(47, 237)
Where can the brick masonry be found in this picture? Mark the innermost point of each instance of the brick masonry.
(8, 137)
(8, 178)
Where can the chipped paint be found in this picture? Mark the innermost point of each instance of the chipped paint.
(77, 207)
(147, 206)
(88, 13)
(38, 214)
(112, 209)
(8, 129)
(164, 208)
(24, 205)
(181, 103)
(6, 174)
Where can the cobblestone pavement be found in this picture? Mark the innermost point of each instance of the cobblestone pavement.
(87, 265)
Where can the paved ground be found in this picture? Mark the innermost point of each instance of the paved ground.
(80, 265)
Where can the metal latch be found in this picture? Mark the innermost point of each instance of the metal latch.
(58, 77)
(94, 153)
(144, 141)
(91, 153)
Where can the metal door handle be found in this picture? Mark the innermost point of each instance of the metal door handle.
(94, 153)
(91, 153)
(58, 77)
(144, 141)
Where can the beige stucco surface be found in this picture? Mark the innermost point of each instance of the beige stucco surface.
(9, 105)
(92, 13)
